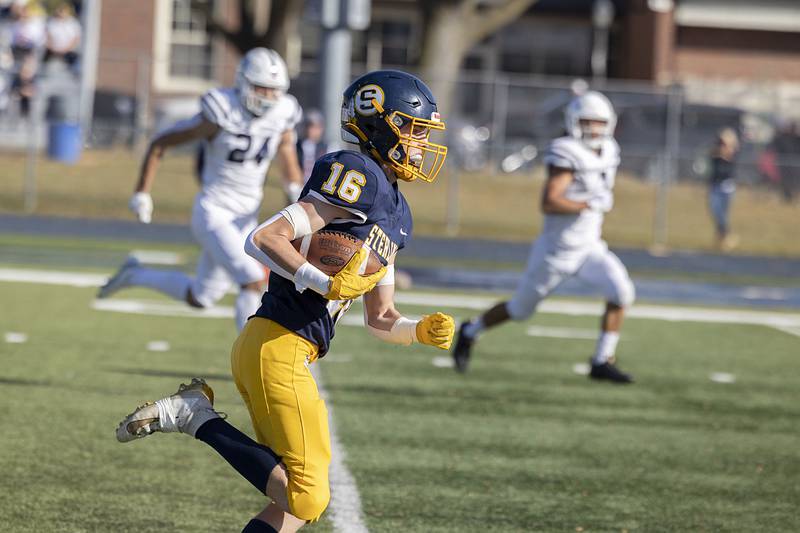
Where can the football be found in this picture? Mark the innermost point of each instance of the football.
(330, 250)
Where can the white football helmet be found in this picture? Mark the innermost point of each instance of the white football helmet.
(264, 68)
(590, 105)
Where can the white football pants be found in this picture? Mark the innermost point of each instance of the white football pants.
(223, 260)
(549, 266)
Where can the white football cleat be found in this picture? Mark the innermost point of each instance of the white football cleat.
(121, 279)
(184, 412)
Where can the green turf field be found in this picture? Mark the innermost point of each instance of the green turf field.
(521, 443)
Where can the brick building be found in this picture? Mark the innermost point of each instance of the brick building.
(157, 49)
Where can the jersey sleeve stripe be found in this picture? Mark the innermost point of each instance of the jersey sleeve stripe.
(211, 110)
(222, 103)
(362, 217)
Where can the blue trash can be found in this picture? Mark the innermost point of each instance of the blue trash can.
(64, 142)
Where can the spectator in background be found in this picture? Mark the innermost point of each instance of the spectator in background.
(722, 186)
(63, 35)
(310, 145)
(27, 40)
(786, 146)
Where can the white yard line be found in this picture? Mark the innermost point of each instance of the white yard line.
(671, 313)
(345, 507)
(561, 333)
(789, 329)
(160, 308)
(157, 257)
(786, 322)
(344, 510)
(52, 277)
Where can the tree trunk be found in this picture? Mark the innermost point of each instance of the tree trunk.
(283, 21)
(444, 46)
(452, 28)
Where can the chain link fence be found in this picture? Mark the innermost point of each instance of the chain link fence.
(498, 127)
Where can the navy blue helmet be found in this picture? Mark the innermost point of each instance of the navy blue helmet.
(391, 114)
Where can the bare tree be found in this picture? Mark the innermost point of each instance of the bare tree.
(452, 28)
(268, 23)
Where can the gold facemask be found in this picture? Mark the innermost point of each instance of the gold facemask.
(419, 158)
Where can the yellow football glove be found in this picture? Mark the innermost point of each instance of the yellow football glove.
(348, 284)
(436, 330)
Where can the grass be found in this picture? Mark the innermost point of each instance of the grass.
(504, 207)
(520, 443)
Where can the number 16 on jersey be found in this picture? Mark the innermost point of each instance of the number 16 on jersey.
(349, 189)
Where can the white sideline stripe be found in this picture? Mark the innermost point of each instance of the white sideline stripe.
(344, 510)
(561, 333)
(160, 308)
(672, 313)
(52, 277)
(778, 320)
(157, 257)
(790, 330)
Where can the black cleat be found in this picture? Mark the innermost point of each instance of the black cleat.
(462, 349)
(608, 371)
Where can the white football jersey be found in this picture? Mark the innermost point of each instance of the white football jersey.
(593, 175)
(236, 159)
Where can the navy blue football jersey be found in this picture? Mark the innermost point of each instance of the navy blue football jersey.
(380, 217)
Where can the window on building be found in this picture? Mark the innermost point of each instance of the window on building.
(396, 36)
(183, 47)
(190, 52)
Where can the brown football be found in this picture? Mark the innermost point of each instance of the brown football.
(330, 250)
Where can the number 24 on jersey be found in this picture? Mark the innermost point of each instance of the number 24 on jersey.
(349, 189)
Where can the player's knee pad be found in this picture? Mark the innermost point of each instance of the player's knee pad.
(309, 505)
(521, 306)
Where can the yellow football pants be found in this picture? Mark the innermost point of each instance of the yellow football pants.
(270, 368)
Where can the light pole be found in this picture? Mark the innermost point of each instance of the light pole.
(339, 18)
(602, 17)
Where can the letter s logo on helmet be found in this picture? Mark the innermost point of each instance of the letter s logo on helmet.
(391, 115)
(364, 97)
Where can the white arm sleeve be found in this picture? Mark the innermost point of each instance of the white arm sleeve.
(258, 254)
(307, 276)
(404, 331)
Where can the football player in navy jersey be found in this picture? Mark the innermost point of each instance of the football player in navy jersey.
(390, 115)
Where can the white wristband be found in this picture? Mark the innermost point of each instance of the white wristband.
(310, 277)
(404, 331)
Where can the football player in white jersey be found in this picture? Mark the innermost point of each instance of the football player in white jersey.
(242, 128)
(579, 191)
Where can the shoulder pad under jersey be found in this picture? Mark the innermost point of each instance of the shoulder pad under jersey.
(217, 105)
(565, 152)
